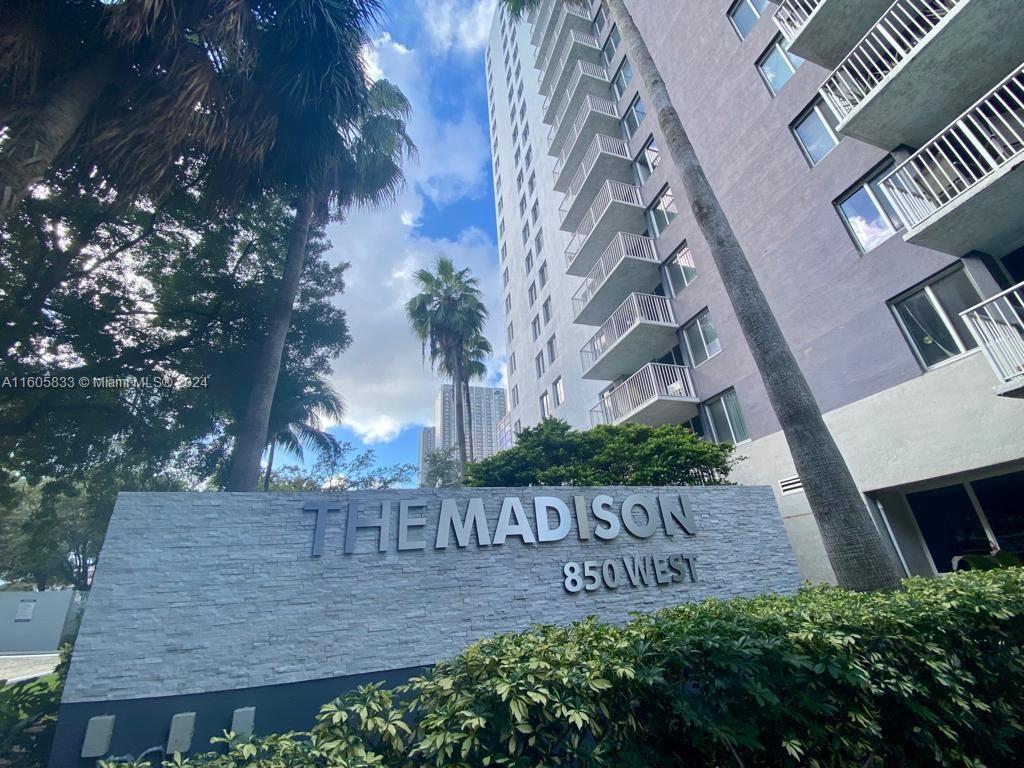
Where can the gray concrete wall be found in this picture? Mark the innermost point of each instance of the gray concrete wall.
(213, 591)
(41, 633)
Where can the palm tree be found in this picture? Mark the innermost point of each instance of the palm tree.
(297, 418)
(128, 84)
(330, 164)
(448, 316)
(852, 541)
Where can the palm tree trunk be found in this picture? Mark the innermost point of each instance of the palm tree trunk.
(853, 543)
(270, 466)
(252, 436)
(469, 418)
(460, 424)
(28, 157)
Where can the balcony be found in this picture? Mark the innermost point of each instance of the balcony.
(568, 141)
(963, 190)
(586, 80)
(607, 158)
(821, 30)
(642, 328)
(922, 64)
(564, 20)
(998, 326)
(578, 46)
(657, 394)
(540, 19)
(630, 262)
(617, 208)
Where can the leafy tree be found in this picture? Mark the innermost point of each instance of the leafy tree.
(179, 290)
(441, 469)
(448, 316)
(342, 469)
(126, 86)
(854, 545)
(552, 453)
(296, 419)
(331, 157)
(52, 534)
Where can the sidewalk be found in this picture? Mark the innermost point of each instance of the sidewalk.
(14, 669)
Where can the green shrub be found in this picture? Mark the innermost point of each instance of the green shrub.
(28, 717)
(930, 675)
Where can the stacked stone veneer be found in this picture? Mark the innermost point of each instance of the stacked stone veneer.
(201, 592)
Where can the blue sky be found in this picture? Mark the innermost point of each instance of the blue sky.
(434, 51)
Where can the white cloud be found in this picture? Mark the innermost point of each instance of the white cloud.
(460, 24)
(385, 384)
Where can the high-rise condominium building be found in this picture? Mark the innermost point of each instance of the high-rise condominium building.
(428, 442)
(488, 407)
(868, 155)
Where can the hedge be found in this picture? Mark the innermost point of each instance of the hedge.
(932, 674)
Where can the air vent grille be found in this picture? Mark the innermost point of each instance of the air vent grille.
(790, 485)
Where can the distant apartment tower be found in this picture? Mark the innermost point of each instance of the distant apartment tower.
(872, 171)
(428, 438)
(488, 407)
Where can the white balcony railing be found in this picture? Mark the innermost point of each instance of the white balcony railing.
(565, 14)
(650, 383)
(550, 75)
(792, 15)
(611, 192)
(590, 104)
(986, 138)
(998, 326)
(601, 145)
(541, 24)
(637, 308)
(583, 69)
(624, 246)
(890, 42)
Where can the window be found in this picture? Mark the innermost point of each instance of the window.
(508, 304)
(538, 241)
(517, 157)
(501, 228)
(522, 205)
(815, 131)
(518, 427)
(528, 159)
(623, 77)
(535, 213)
(526, 131)
(529, 262)
(522, 111)
(701, 338)
(533, 183)
(532, 293)
(526, 233)
(535, 327)
(545, 405)
(515, 138)
(930, 317)
(504, 252)
(867, 213)
(777, 64)
(610, 46)
(515, 396)
(635, 114)
(558, 391)
(552, 349)
(538, 363)
(509, 333)
(504, 278)
(542, 274)
(662, 211)
(744, 15)
(598, 23)
(726, 418)
(546, 309)
(680, 270)
(645, 163)
(519, 182)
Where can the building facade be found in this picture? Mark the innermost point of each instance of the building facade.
(868, 155)
(428, 442)
(488, 407)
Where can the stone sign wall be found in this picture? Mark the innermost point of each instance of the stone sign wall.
(199, 592)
